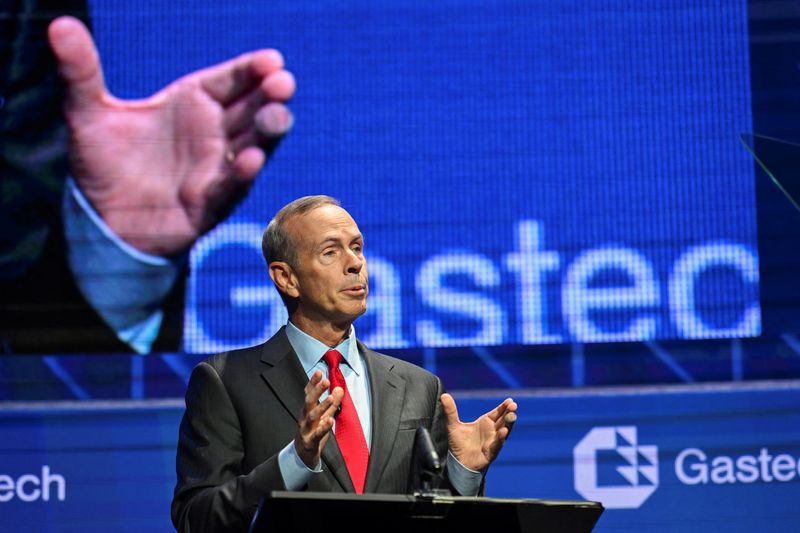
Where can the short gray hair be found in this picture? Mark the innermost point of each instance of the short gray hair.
(277, 244)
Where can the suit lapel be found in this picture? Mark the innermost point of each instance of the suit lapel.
(387, 391)
(332, 456)
(284, 375)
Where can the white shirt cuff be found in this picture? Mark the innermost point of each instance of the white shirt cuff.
(124, 285)
(294, 471)
(465, 480)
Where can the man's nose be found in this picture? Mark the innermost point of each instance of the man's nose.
(355, 262)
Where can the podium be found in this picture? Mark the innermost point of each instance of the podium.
(288, 512)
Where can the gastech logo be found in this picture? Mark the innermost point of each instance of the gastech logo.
(30, 487)
(693, 467)
(611, 467)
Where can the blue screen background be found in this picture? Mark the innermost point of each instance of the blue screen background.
(607, 135)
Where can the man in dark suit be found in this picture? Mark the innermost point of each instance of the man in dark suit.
(260, 419)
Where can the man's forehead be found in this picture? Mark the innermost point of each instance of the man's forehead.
(327, 222)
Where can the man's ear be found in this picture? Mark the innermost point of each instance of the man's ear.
(284, 279)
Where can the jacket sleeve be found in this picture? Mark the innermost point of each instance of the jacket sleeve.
(212, 493)
(439, 437)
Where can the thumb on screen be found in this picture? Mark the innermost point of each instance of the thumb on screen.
(78, 60)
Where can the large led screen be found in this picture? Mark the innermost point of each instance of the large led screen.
(523, 172)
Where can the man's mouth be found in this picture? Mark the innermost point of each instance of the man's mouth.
(356, 289)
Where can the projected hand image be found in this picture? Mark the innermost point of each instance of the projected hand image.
(164, 170)
(106, 196)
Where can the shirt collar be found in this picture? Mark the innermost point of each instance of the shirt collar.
(310, 351)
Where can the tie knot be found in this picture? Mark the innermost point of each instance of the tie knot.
(332, 359)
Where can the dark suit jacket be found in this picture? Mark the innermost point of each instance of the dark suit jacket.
(242, 409)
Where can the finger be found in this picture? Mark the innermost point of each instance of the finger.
(78, 61)
(277, 87)
(250, 153)
(315, 378)
(329, 404)
(311, 391)
(503, 410)
(248, 162)
(449, 408)
(322, 429)
(338, 394)
(316, 391)
(221, 197)
(512, 407)
(320, 420)
(328, 407)
(500, 410)
(319, 435)
(505, 421)
(273, 120)
(231, 80)
(314, 436)
(271, 123)
(498, 442)
(312, 412)
(506, 424)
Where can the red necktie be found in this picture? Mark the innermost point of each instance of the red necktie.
(349, 434)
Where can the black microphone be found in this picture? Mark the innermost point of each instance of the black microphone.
(426, 467)
(429, 459)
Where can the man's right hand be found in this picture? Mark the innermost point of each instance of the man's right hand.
(316, 420)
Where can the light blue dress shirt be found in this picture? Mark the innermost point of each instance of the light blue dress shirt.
(310, 351)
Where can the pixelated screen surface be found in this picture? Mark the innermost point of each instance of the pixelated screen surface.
(523, 172)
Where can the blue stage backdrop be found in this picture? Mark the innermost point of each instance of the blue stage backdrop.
(672, 461)
(524, 172)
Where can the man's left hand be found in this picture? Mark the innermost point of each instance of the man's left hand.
(163, 171)
(476, 444)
